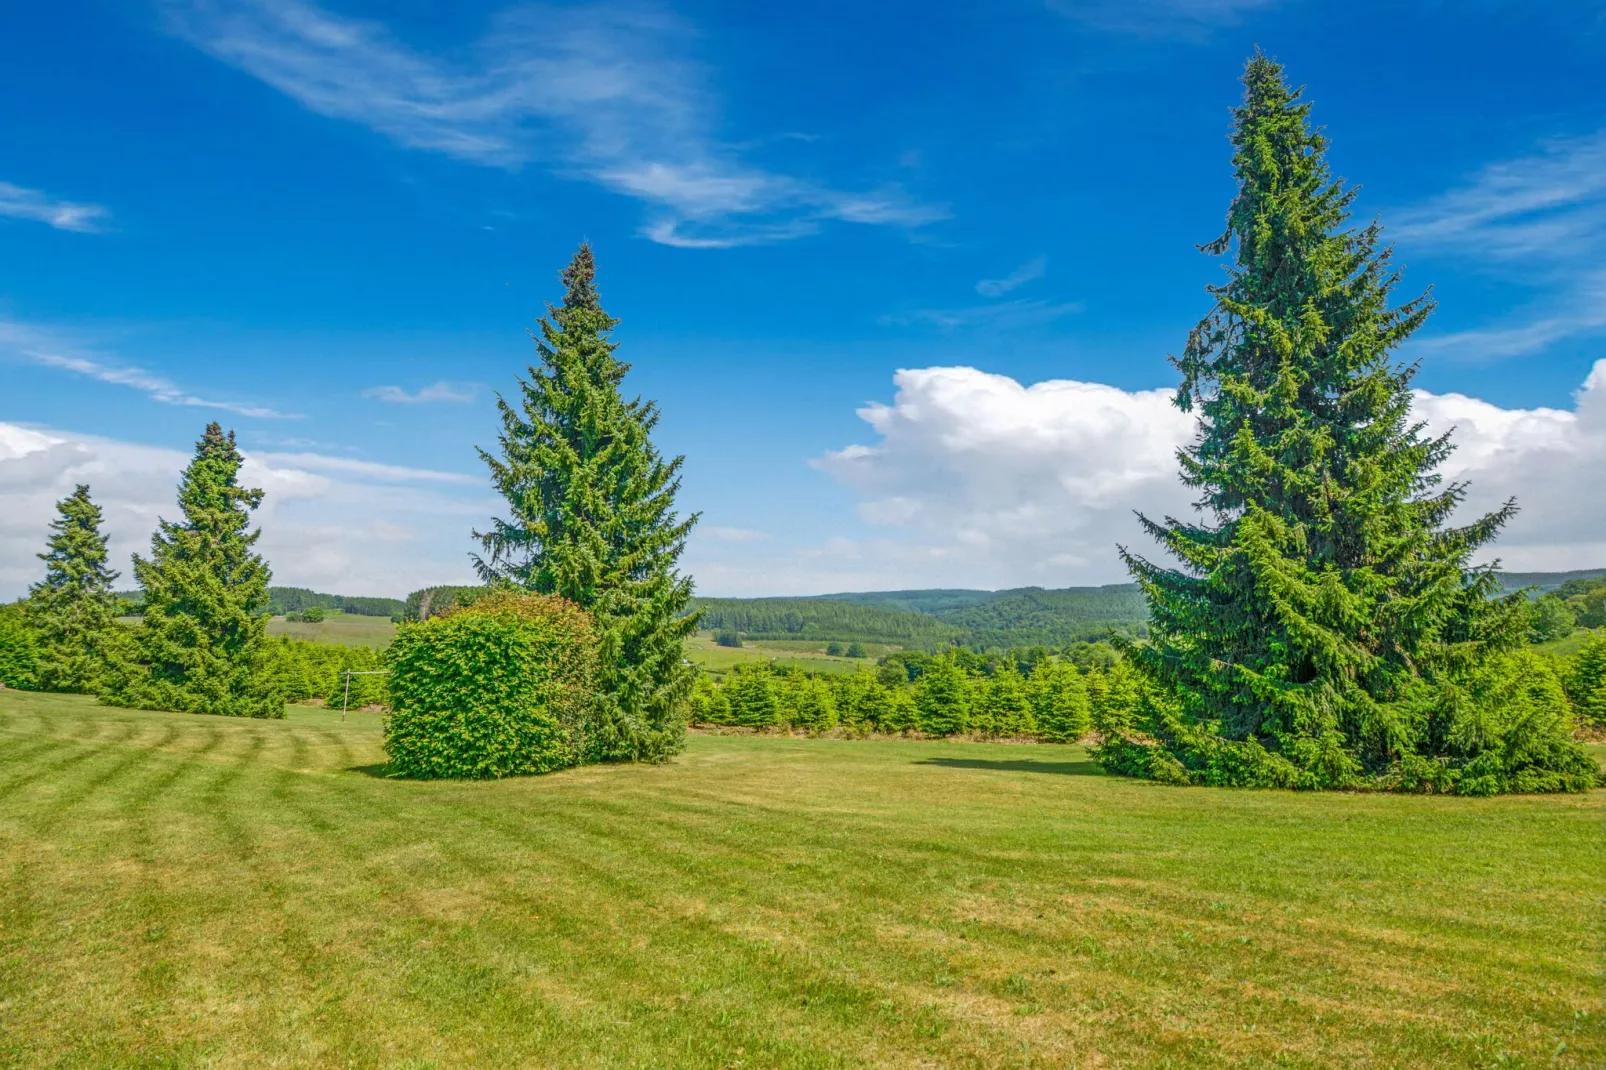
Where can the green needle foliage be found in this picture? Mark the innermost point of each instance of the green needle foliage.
(201, 647)
(72, 612)
(1586, 682)
(592, 520)
(1328, 629)
(19, 652)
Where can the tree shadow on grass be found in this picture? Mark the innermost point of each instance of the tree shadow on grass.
(379, 771)
(1020, 765)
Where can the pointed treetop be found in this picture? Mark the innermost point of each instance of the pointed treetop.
(579, 280)
(77, 555)
(210, 492)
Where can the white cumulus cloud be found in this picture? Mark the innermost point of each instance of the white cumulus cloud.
(330, 523)
(985, 482)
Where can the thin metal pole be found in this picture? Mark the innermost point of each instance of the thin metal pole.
(347, 697)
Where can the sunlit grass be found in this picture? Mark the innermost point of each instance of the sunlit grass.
(339, 628)
(185, 890)
(702, 650)
(1570, 645)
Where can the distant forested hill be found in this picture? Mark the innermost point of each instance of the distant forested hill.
(821, 618)
(1546, 581)
(934, 602)
(1033, 616)
(1028, 616)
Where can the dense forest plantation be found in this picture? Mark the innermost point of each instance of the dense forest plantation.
(822, 618)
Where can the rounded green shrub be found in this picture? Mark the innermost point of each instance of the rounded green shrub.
(502, 687)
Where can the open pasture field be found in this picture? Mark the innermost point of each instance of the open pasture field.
(1570, 645)
(702, 650)
(341, 629)
(179, 890)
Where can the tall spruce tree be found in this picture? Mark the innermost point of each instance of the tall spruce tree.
(72, 611)
(1326, 628)
(201, 645)
(591, 518)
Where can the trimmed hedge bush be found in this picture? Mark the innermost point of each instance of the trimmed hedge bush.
(503, 687)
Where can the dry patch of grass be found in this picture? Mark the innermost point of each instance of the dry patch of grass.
(181, 890)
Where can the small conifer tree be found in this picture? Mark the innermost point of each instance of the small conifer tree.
(201, 645)
(19, 652)
(815, 706)
(591, 518)
(865, 702)
(1326, 623)
(944, 698)
(1007, 704)
(902, 713)
(1586, 682)
(753, 698)
(1059, 702)
(72, 611)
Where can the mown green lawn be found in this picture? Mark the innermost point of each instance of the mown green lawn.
(185, 890)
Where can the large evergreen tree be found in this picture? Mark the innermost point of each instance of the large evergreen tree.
(71, 611)
(201, 645)
(591, 518)
(1326, 627)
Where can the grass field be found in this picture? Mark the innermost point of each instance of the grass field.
(339, 628)
(181, 890)
(1570, 645)
(702, 650)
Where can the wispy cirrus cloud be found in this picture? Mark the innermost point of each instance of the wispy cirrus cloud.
(18, 202)
(370, 470)
(604, 93)
(1003, 315)
(441, 391)
(1158, 18)
(1540, 221)
(49, 349)
(725, 534)
(1031, 270)
(979, 480)
(1540, 207)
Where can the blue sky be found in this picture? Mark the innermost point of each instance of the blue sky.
(329, 226)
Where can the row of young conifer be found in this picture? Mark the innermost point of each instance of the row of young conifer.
(1019, 695)
(1056, 702)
